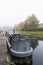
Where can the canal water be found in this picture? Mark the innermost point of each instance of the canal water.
(37, 58)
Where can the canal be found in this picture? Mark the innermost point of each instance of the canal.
(37, 58)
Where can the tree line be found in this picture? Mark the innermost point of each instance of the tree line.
(31, 24)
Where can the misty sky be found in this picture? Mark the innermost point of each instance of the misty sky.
(14, 11)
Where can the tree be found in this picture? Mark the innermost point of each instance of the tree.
(31, 23)
(21, 25)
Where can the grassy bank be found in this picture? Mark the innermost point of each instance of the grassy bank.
(38, 34)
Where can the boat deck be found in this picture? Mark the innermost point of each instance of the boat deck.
(21, 46)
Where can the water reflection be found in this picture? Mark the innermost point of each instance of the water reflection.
(40, 42)
(38, 54)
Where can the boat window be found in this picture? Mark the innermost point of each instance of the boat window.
(18, 37)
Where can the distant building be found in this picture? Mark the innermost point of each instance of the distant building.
(40, 25)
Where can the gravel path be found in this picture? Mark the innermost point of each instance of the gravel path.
(3, 50)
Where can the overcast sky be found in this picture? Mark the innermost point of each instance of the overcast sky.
(14, 11)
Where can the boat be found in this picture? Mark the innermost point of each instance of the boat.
(19, 47)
